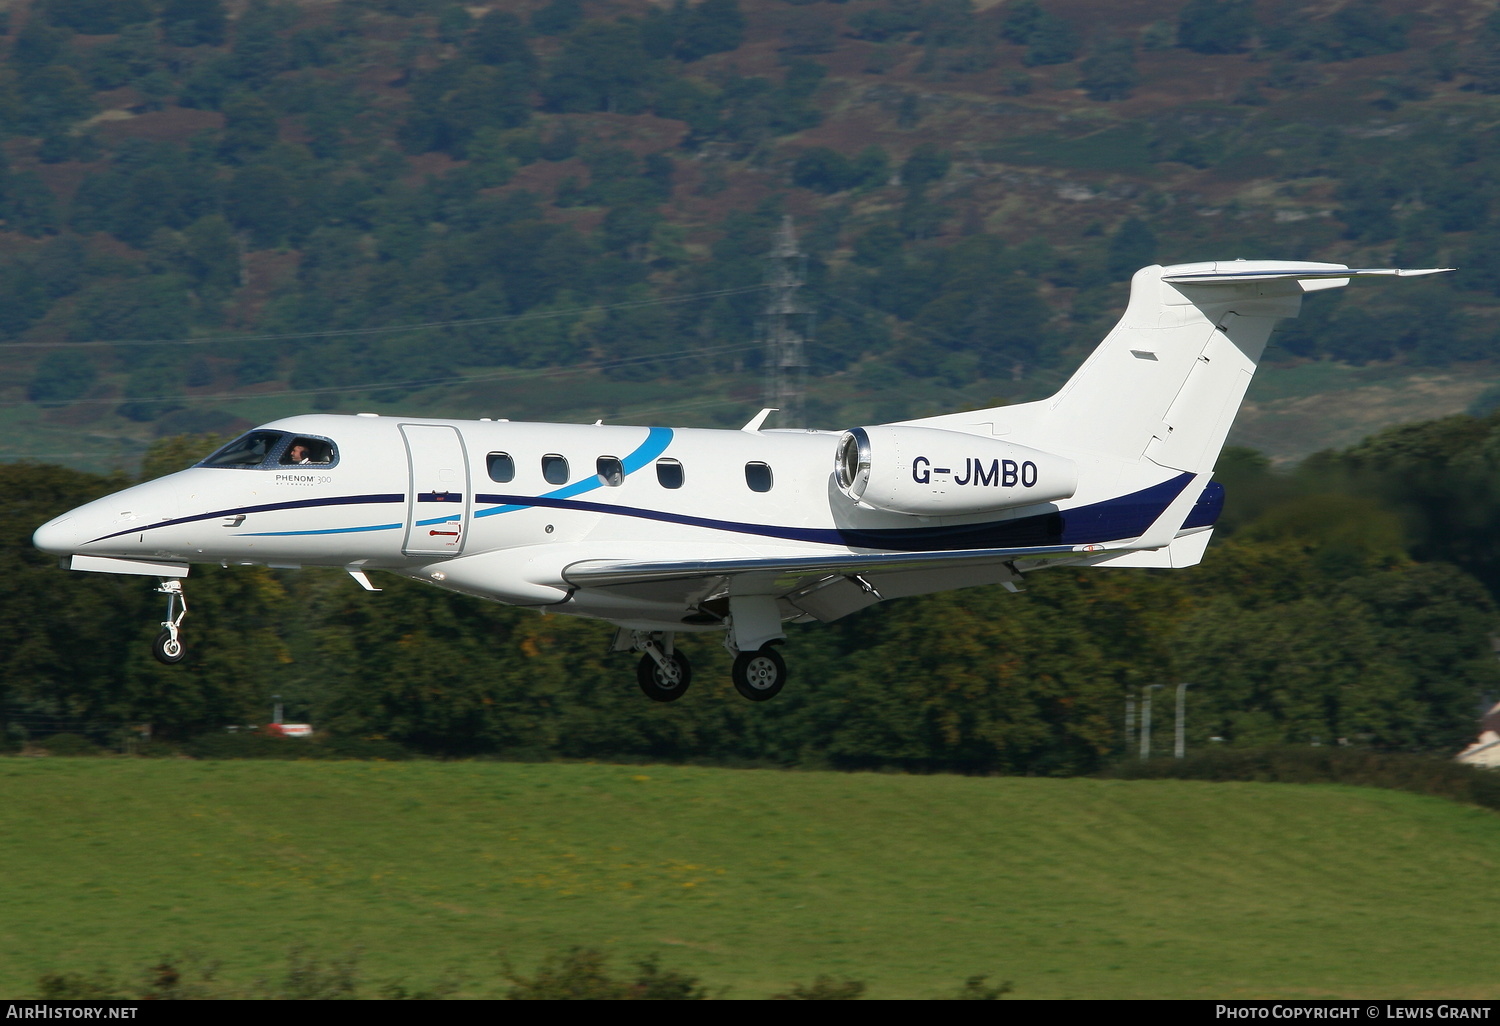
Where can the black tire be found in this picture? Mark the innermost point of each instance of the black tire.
(759, 676)
(654, 683)
(167, 650)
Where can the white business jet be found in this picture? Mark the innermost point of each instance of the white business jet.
(661, 530)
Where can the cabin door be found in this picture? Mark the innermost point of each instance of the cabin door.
(438, 501)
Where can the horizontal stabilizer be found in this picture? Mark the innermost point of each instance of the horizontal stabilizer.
(1333, 274)
(1185, 551)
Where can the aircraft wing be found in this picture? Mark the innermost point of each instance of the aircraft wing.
(824, 586)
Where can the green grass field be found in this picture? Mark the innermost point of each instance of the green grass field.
(751, 880)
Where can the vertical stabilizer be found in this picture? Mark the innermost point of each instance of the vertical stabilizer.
(1166, 383)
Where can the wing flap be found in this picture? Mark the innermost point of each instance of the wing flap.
(788, 570)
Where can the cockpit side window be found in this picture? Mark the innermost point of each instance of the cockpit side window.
(270, 449)
(304, 450)
(250, 450)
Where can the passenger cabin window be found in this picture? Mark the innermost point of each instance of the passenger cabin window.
(308, 450)
(669, 473)
(610, 470)
(554, 469)
(246, 451)
(758, 477)
(502, 468)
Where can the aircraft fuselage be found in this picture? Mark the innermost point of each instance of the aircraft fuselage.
(498, 509)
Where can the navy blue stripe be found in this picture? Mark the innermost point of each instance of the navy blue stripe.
(1208, 507)
(808, 534)
(1127, 516)
(338, 500)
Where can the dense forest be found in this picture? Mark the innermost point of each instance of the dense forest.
(207, 204)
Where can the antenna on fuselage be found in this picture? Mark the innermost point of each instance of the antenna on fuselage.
(786, 355)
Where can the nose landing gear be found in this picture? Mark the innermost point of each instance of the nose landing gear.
(168, 644)
(663, 672)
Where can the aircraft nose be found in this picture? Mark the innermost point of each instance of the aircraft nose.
(60, 536)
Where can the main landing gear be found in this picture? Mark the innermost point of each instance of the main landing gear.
(759, 676)
(168, 644)
(664, 673)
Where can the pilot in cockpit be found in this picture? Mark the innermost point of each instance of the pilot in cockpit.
(305, 450)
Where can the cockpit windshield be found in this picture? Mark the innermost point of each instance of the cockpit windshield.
(273, 449)
(246, 451)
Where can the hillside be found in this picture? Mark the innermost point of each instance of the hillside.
(558, 210)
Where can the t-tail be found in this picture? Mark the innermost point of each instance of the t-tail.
(1166, 383)
(1161, 391)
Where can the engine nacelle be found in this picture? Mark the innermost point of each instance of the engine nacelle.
(932, 472)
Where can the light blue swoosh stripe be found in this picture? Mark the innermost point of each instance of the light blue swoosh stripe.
(331, 530)
(344, 530)
(657, 440)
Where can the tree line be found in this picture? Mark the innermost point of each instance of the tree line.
(1348, 603)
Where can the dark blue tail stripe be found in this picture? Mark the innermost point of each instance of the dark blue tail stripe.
(1127, 516)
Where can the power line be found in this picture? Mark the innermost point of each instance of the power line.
(391, 329)
(68, 455)
(625, 413)
(633, 412)
(865, 310)
(375, 386)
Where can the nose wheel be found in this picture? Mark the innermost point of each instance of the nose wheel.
(663, 672)
(167, 648)
(664, 683)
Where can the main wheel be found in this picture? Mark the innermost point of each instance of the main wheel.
(656, 684)
(167, 649)
(759, 676)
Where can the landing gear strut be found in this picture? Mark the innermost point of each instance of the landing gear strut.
(168, 644)
(663, 673)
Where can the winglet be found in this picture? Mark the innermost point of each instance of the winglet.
(759, 419)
